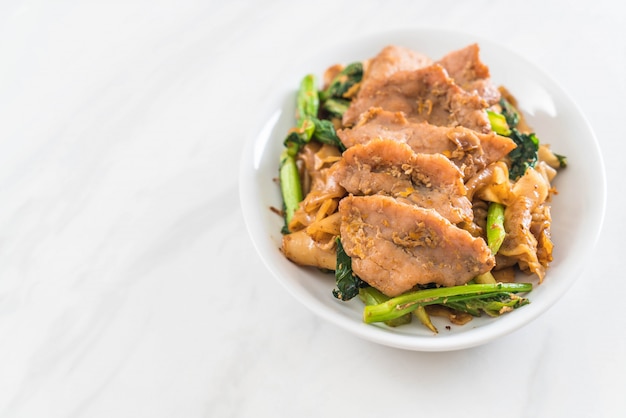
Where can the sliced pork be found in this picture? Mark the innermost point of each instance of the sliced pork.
(390, 60)
(395, 246)
(426, 94)
(388, 167)
(470, 73)
(471, 151)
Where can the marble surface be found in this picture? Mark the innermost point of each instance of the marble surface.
(128, 284)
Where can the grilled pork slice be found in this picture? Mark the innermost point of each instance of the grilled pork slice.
(392, 59)
(388, 167)
(471, 151)
(395, 246)
(470, 73)
(426, 94)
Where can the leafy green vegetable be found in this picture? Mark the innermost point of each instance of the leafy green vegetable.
(347, 78)
(348, 283)
(309, 126)
(307, 106)
(408, 302)
(298, 137)
(495, 226)
(321, 130)
(492, 305)
(510, 113)
(335, 106)
(325, 133)
(525, 155)
(562, 160)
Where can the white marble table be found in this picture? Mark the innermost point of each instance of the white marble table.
(128, 284)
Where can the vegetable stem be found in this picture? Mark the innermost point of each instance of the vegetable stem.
(498, 123)
(372, 296)
(336, 107)
(290, 186)
(307, 100)
(408, 302)
(495, 226)
(485, 278)
(424, 317)
(307, 107)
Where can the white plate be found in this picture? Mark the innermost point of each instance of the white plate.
(577, 210)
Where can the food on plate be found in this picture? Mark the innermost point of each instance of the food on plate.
(386, 167)
(469, 150)
(395, 246)
(420, 184)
